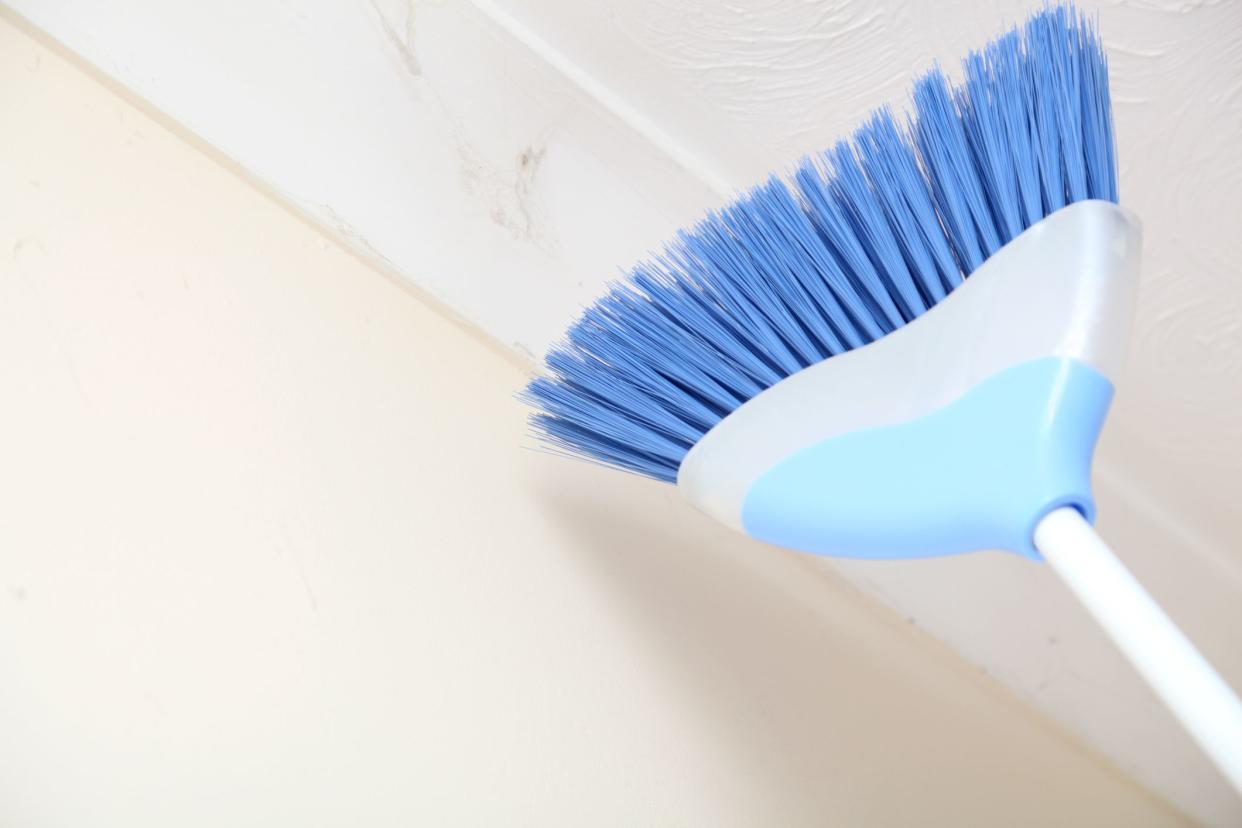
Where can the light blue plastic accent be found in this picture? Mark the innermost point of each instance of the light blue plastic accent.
(976, 474)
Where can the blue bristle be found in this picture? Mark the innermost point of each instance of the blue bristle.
(1097, 107)
(945, 151)
(871, 227)
(800, 260)
(862, 239)
(856, 276)
(893, 169)
(985, 103)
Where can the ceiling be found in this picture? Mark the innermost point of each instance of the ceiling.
(508, 157)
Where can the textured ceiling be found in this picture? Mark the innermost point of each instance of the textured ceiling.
(507, 157)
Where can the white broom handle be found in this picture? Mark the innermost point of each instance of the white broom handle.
(1181, 677)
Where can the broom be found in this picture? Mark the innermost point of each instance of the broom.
(906, 349)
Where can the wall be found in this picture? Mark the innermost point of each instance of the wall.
(507, 156)
(270, 554)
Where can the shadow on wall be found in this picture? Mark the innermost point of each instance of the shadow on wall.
(800, 682)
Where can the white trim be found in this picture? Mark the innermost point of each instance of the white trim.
(691, 161)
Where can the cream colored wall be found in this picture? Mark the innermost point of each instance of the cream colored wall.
(270, 554)
(508, 156)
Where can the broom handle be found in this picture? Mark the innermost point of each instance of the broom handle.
(1180, 675)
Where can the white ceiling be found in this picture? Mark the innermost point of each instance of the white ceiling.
(508, 157)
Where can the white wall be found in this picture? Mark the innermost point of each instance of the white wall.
(270, 554)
